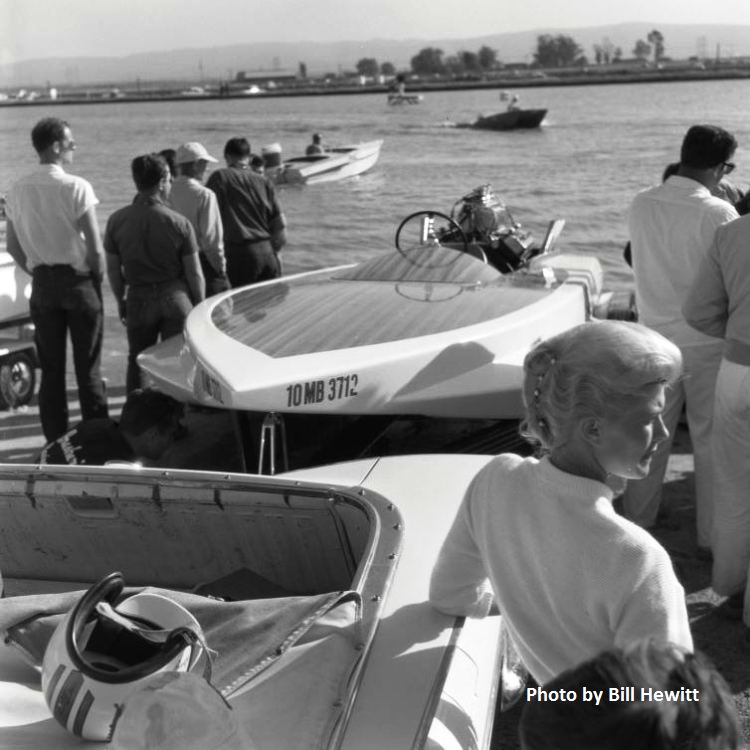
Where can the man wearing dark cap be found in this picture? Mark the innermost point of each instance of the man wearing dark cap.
(254, 226)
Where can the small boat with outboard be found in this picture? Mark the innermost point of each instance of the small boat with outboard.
(396, 98)
(336, 163)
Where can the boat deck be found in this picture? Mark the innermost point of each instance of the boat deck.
(333, 310)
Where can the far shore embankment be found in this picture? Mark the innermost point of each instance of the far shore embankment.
(123, 92)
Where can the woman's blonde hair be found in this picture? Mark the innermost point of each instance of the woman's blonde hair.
(595, 369)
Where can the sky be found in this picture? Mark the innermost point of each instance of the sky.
(67, 28)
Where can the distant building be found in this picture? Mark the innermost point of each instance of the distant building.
(264, 77)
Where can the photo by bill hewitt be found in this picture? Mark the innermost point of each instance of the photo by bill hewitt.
(624, 694)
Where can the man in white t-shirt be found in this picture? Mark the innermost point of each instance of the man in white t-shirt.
(52, 233)
(671, 227)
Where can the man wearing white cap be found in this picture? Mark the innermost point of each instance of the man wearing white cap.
(198, 204)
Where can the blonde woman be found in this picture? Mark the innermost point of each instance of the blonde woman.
(540, 537)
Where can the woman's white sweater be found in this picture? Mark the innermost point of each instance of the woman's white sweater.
(571, 577)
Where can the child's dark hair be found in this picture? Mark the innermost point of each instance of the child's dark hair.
(146, 408)
(705, 718)
(593, 369)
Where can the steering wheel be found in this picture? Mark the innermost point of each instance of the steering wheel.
(429, 228)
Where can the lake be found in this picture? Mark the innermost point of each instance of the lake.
(597, 147)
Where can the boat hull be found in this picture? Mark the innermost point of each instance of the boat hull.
(511, 120)
(335, 164)
(371, 339)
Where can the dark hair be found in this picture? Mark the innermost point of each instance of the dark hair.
(46, 132)
(146, 407)
(669, 170)
(239, 147)
(708, 722)
(706, 146)
(148, 170)
(169, 155)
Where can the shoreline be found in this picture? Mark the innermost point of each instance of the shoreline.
(95, 94)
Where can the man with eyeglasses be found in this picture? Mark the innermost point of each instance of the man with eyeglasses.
(53, 234)
(671, 227)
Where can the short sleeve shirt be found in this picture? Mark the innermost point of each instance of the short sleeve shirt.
(249, 208)
(150, 240)
(45, 208)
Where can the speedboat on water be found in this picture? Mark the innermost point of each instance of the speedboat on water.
(438, 328)
(512, 119)
(395, 98)
(335, 163)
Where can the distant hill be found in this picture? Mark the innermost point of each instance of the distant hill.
(681, 41)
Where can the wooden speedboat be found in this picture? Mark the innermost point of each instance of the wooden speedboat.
(439, 328)
(512, 119)
(335, 562)
(436, 332)
(335, 164)
(439, 333)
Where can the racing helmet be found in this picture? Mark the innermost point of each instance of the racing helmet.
(102, 651)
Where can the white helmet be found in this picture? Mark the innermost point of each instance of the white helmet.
(100, 653)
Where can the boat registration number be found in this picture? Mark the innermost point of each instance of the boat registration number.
(210, 386)
(318, 391)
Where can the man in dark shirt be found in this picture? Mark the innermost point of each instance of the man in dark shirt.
(152, 263)
(150, 422)
(254, 226)
(316, 147)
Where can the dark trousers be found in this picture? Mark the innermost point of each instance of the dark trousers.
(215, 282)
(62, 302)
(250, 262)
(153, 312)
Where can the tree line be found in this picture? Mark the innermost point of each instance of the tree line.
(552, 51)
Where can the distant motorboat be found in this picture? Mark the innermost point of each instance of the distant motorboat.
(512, 119)
(333, 164)
(396, 98)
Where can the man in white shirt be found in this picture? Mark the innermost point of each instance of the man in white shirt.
(198, 204)
(52, 233)
(718, 304)
(671, 227)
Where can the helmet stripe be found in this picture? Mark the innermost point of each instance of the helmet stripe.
(82, 713)
(67, 696)
(52, 684)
